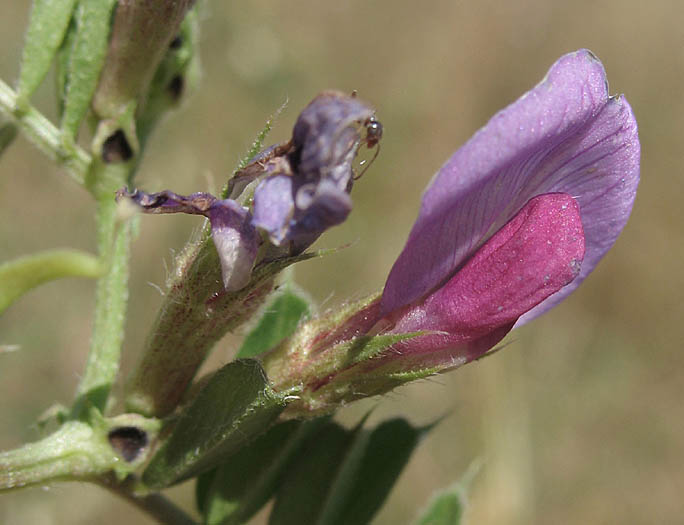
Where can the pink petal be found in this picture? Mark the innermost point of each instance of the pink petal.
(533, 256)
(565, 135)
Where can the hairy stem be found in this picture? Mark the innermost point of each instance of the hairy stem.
(76, 451)
(111, 298)
(44, 134)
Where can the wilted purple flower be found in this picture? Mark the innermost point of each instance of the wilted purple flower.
(234, 236)
(308, 191)
(302, 188)
(510, 225)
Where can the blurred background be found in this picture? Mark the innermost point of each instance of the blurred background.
(579, 420)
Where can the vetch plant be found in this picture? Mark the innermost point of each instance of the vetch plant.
(510, 225)
(513, 222)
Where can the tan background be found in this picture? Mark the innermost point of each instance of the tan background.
(579, 420)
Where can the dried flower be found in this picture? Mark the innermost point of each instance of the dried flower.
(235, 238)
(302, 188)
(308, 190)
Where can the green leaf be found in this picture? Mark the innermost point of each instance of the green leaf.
(366, 347)
(445, 509)
(380, 460)
(62, 61)
(256, 146)
(8, 132)
(447, 506)
(47, 26)
(21, 275)
(279, 321)
(235, 491)
(86, 60)
(304, 490)
(344, 475)
(235, 406)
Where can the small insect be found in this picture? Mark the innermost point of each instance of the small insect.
(373, 132)
(373, 128)
(371, 140)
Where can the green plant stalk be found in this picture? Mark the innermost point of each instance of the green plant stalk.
(111, 297)
(76, 451)
(21, 275)
(195, 314)
(45, 135)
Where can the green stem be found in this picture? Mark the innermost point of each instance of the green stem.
(195, 314)
(44, 134)
(111, 297)
(21, 275)
(74, 452)
(78, 451)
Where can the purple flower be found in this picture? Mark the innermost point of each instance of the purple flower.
(517, 217)
(536, 254)
(302, 188)
(510, 225)
(234, 236)
(308, 191)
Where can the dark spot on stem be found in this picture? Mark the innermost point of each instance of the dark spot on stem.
(176, 86)
(128, 442)
(116, 148)
(176, 42)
